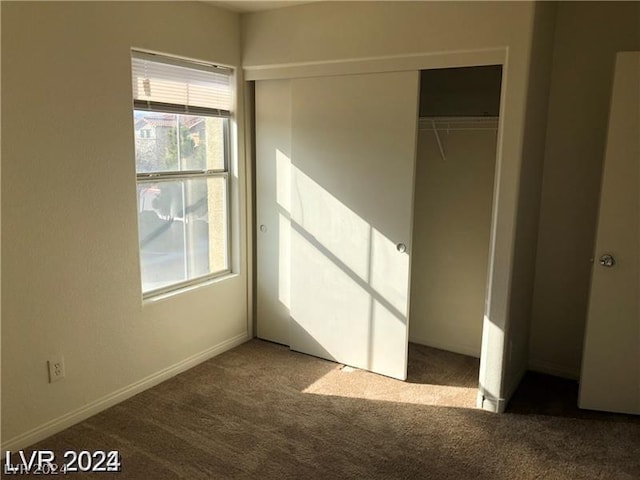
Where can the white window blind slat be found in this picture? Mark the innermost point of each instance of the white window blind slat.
(160, 79)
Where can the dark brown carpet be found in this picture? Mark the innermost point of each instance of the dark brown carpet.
(261, 411)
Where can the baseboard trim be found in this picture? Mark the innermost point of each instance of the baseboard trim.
(455, 348)
(553, 369)
(490, 403)
(68, 419)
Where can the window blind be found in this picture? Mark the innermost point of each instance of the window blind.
(172, 85)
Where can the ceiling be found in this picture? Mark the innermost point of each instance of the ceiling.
(245, 6)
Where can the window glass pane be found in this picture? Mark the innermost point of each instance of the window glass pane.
(173, 142)
(182, 230)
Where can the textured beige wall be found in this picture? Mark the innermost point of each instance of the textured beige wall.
(588, 34)
(70, 248)
(351, 30)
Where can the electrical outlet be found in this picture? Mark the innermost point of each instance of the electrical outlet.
(56, 369)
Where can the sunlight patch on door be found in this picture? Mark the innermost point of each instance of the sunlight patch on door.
(343, 281)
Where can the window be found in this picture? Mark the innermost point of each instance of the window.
(181, 117)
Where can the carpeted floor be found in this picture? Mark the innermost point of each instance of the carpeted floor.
(261, 411)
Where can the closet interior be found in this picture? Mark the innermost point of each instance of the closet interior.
(453, 202)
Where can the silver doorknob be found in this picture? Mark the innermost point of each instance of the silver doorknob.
(401, 247)
(263, 228)
(607, 260)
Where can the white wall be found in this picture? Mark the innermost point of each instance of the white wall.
(308, 34)
(451, 233)
(524, 255)
(70, 247)
(588, 34)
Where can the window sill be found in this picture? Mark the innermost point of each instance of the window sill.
(158, 297)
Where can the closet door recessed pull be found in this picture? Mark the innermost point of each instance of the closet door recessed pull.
(401, 247)
(607, 260)
(263, 228)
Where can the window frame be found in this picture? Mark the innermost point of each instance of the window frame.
(170, 175)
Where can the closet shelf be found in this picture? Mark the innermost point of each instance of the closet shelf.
(451, 124)
(458, 123)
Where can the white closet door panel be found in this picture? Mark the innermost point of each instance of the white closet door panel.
(273, 181)
(353, 153)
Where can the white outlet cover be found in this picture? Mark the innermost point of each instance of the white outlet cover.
(56, 369)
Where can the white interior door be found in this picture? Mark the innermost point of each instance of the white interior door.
(610, 378)
(353, 148)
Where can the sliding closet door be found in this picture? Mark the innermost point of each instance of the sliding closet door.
(273, 150)
(353, 148)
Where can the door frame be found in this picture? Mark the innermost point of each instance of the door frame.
(493, 391)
